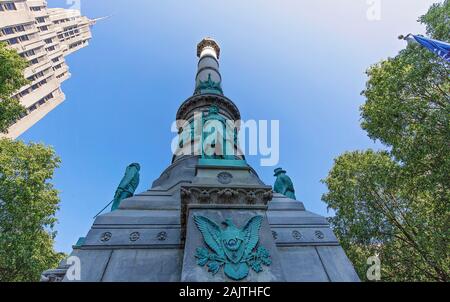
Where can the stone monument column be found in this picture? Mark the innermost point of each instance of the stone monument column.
(224, 225)
(208, 78)
(208, 217)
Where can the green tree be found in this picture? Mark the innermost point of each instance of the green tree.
(28, 202)
(12, 68)
(396, 203)
(27, 210)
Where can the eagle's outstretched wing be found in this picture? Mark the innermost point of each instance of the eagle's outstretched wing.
(251, 233)
(211, 233)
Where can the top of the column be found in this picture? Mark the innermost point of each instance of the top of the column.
(208, 79)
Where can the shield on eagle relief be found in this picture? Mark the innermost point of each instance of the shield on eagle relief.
(233, 248)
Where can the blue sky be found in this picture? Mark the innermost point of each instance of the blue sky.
(300, 62)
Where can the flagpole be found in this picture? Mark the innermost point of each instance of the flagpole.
(402, 37)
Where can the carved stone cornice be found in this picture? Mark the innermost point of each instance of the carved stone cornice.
(228, 196)
(196, 102)
(222, 197)
(208, 42)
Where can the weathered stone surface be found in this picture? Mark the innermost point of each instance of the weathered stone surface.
(142, 217)
(302, 264)
(192, 272)
(337, 265)
(133, 237)
(93, 264)
(144, 265)
(301, 242)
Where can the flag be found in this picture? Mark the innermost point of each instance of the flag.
(440, 48)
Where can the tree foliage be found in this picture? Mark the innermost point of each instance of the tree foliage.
(396, 203)
(28, 203)
(12, 68)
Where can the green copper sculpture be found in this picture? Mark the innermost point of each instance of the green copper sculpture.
(209, 86)
(217, 147)
(233, 248)
(283, 184)
(127, 186)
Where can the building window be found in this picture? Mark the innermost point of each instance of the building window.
(7, 30)
(40, 19)
(43, 28)
(13, 41)
(38, 75)
(61, 75)
(24, 93)
(10, 6)
(76, 44)
(28, 53)
(48, 41)
(35, 8)
(24, 38)
(37, 104)
(11, 30)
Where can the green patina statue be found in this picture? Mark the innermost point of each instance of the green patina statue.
(213, 144)
(233, 248)
(217, 143)
(209, 86)
(127, 186)
(283, 184)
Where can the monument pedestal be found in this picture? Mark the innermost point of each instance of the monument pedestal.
(245, 263)
(227, 232)
(209, 217)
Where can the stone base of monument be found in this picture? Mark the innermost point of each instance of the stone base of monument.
(152, 236)
(235, 265)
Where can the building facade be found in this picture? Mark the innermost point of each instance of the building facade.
(43, 36)
(208, 217)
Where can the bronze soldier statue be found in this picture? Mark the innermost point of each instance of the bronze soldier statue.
(283, 184)
(127, 186)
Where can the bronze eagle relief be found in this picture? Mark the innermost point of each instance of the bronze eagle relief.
(234, 249)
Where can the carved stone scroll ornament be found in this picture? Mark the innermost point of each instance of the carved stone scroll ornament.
(226, 196)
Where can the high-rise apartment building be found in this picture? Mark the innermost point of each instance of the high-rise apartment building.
(44, 36)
